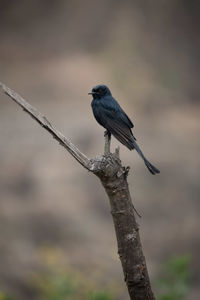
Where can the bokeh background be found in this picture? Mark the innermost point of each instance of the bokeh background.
(55, 220)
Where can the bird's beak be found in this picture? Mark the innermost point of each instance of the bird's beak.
(91, 93)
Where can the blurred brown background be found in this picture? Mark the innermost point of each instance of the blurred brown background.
(53, 53)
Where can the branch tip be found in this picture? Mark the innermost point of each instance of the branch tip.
(44, 122)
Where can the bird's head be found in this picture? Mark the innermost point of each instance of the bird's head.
(99, 91)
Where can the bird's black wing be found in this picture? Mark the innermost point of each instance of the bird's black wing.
(114, 119)
(127, 120)
(122, 115)
(120, 131)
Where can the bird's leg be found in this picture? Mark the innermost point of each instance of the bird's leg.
(107, 136)
(106, 132)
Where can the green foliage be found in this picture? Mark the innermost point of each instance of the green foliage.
(99, 296)
(65, 286)
(174, 281)
(61, 283)
(4, 296)
(55, 286)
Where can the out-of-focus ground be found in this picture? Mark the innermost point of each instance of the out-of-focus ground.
(53, 53)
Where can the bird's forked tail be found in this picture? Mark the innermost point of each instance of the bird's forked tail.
(150, 167)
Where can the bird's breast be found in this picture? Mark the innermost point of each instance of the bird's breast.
(97, 111)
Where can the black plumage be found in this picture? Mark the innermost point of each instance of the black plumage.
(111, 116)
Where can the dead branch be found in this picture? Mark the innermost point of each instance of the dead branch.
(113, 176)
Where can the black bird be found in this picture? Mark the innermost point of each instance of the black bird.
(111, 116)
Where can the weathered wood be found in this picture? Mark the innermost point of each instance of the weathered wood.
(114, 179)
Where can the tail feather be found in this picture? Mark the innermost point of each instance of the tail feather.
(150, 167)
(126, 137)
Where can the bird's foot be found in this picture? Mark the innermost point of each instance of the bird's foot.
(106, 132)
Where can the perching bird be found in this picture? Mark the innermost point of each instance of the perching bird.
(111, 116)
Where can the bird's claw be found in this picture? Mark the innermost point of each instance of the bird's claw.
(105, 133)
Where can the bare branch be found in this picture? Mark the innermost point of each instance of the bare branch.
(42, 120)
(113, 176)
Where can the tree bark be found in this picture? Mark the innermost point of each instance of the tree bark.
(113, 176)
